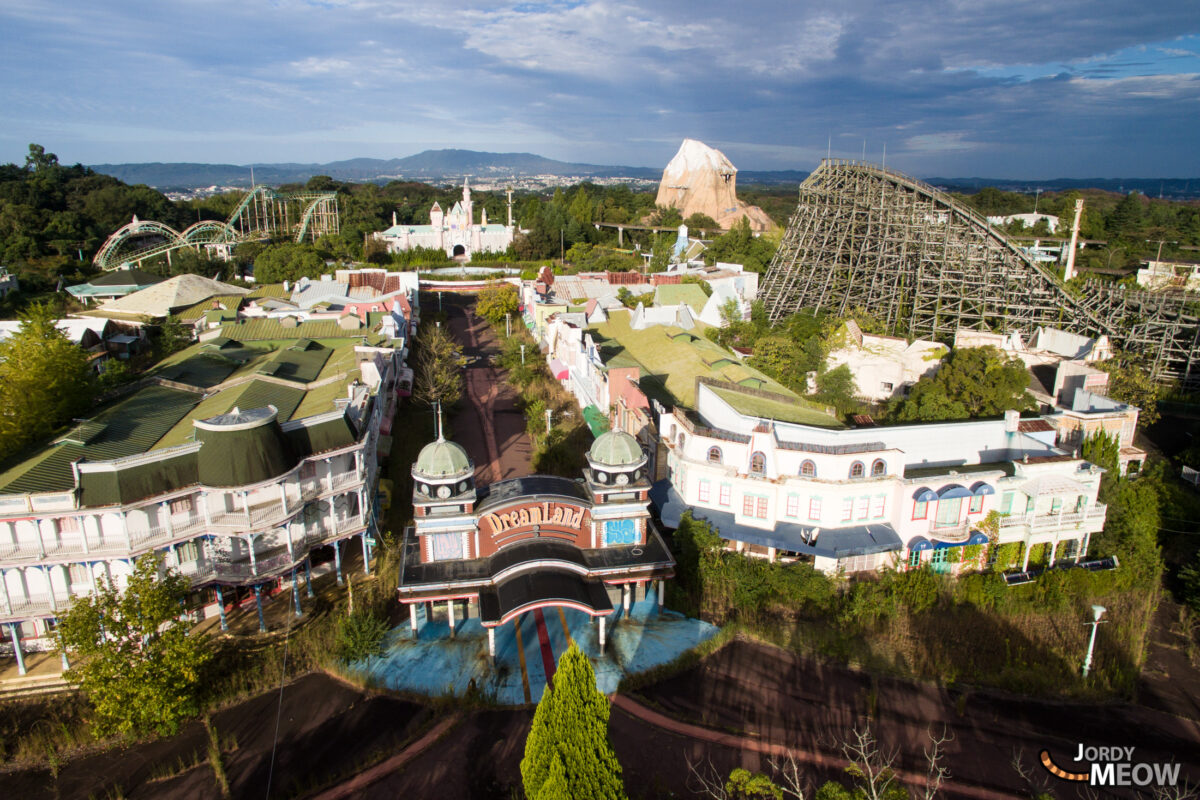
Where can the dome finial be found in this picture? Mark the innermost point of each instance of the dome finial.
(441, 436)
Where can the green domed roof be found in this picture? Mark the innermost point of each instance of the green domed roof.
(616, 449)
(441, 459)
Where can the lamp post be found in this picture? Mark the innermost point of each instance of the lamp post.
(522, 355)
(508, 325)
(1097, 612)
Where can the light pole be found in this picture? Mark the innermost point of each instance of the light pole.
(522, 355)
(508, 325)
(1097, 612)
(439, 301)
(549, 412)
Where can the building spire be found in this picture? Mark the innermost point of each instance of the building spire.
(440, 434)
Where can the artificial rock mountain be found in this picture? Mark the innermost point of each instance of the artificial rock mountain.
(701, 180)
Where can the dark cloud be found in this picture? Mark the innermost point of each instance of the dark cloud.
(1005, 89)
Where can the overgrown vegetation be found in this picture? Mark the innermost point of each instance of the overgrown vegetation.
(1023, 638)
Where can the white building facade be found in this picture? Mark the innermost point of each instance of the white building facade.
(454, 232)
(869, 498)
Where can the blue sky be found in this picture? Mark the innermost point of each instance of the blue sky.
(1073, 88)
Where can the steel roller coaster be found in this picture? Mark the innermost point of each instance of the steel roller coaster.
(262, 214)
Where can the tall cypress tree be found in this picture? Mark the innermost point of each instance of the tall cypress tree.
(570, 733)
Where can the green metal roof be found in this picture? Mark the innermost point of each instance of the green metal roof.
(135, 483)
(258, 329)
(241, 455)
(328, 435)
(131, 426)
(441, 459)
(673, 294)
(616, 449)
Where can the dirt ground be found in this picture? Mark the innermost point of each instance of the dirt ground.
(326, 729)
(797, 701)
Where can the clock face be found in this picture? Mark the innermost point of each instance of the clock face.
(622, 479)
(443, 492)
(462, 487)
(602, 477)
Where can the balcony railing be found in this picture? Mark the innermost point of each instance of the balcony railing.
(34, 605)
(952, 534)
(1038, 523)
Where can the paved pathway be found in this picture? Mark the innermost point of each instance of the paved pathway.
(802, 755)
(355, 785)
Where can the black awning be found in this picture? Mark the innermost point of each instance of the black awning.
(529, 590)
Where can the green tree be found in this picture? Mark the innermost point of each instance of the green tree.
(495, 302)
(1129, 382)
(287, 261)
(45, 381)
(438, 368)
(746, 785)
(701, 222)
(837, 386)
(1103, 450)
(173, 336)
(38, 159)
(973, 382)
(570, 726)
(133, 656)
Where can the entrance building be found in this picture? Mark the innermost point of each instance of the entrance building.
(524, 544)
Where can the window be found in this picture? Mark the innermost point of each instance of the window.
(702, 492)
(714, 455)
(758, 463)
(68, 524)
(793, 506)
(1068, 549)
(847, 509)
(887, 387)
(857, 470)
(808, 470)
(976, 504)
(188, 552)
(725, 494)
(948, 512)
(878, 468)
(862, 507)
(1006, 503)
(920, 510)
(878, 503)
(79, 575)
(181, 505)
(814, 509)
(914, 558)
(680, 440)
(754, 506)
(939, 556)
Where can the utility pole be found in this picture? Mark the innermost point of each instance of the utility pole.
(1069, 272)
(508, 325)
(1097, 612)
(522, 355)
(550, 413)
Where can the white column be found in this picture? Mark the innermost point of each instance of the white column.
(771, 554)
(662, 585)
(412, 617)
(602, 635)
(82, 534)
(329, 474)
(253, 558)
(246, 505)
(125, 530)
(1025, 563)
(333, 516)
(4, 586)
(1053, 549)
(37, 529)
(450, 612)
(492, 643)
(166, 512)
(204, 509)
(625, 597)
(283, 497)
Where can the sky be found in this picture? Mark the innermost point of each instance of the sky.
(950, 88)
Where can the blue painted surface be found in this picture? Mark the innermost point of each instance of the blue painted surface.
(434, 664)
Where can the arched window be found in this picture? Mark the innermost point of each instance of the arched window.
(758, 463)
(857, 470)
(714, 455)
(808, 470)
(878, 468)
(680, 440)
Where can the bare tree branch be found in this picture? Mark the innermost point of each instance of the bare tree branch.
(935, 772)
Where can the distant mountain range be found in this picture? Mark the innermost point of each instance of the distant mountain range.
(452, 165)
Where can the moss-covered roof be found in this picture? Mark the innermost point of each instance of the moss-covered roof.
(784, 408)
(258, 329)
(669, 365)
